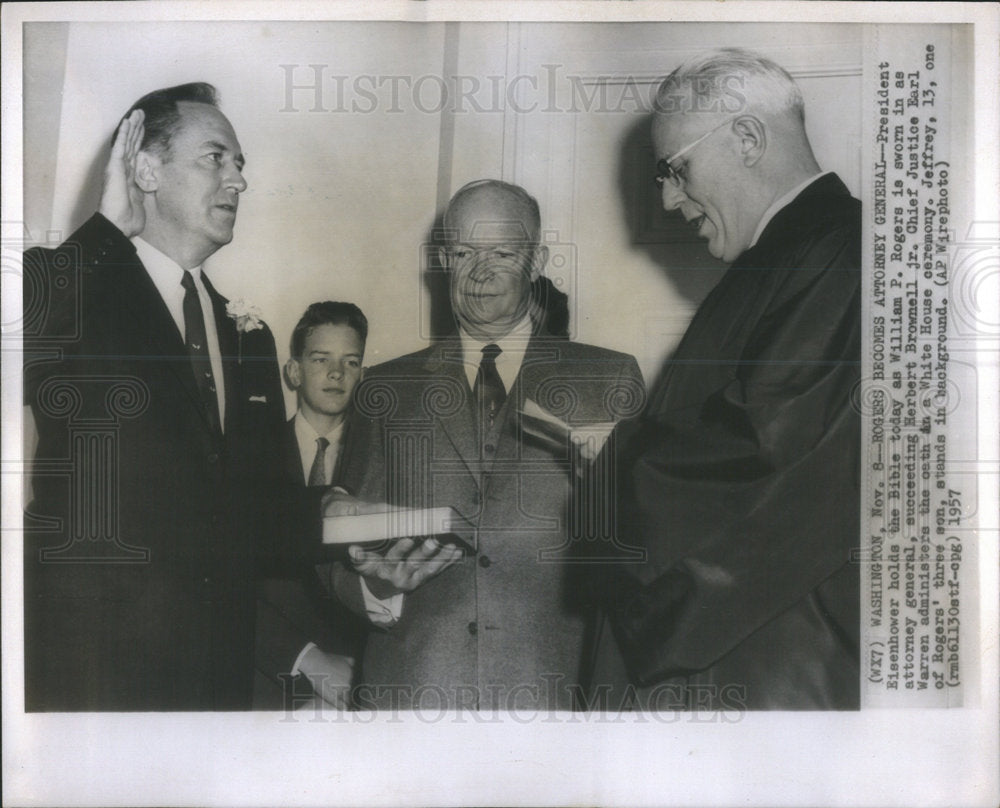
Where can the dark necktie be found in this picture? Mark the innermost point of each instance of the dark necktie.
(317, 474)
(197, 345)
(488, 390)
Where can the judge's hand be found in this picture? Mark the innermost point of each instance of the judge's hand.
(404, 567)
(330, 676)
(121, 198)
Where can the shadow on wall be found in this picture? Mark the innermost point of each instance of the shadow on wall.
(89, 199)
(664, 237)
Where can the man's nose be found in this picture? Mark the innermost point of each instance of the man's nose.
(234, 179)
(672, 196)
(335, 371)
(478, 268)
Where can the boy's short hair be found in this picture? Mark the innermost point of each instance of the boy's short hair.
(328, 312)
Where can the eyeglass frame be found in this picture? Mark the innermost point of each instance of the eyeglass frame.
(667, 173)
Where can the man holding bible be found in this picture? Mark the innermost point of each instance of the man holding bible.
(502, 627)
(741, 479)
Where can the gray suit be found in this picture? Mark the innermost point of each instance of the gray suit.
(505, 627)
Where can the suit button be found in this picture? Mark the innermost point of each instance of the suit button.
(473, 628)
(213, 458)
(490, 448)
(484, 561)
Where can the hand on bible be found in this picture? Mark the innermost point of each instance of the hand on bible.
(406, 565)
(121, 198)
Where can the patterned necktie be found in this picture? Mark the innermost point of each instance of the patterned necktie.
(197, 346)
(317, 474)
(488, 390)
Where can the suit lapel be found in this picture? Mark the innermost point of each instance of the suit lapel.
(152, 319)
(458, 426)
(225, 328)
(292, 455)
(340, 462)
(536, 367)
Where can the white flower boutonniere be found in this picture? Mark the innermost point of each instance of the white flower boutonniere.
(247, 318)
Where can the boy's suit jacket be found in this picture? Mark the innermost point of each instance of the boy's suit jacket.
(292, 607)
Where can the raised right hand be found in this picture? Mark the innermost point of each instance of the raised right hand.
(121, 198)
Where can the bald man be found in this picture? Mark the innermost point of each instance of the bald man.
(740, 481)
(502, 629)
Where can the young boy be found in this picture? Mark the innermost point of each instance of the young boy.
(297, 632)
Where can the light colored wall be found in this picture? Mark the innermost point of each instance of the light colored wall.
(340, 202)
(637, 285)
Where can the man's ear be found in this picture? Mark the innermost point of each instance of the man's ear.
(538, 261)
(753, 138)
(147, 171)
(293, 374)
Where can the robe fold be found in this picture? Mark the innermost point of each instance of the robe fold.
(741, 481)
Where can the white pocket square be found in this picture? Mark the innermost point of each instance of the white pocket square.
(261, 399)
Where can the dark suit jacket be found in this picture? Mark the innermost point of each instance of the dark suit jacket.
(141, 540)
(292, 607)
(741, 481)
(504, 627)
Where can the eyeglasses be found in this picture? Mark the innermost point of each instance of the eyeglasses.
(667, 173)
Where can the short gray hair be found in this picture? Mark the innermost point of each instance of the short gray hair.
(526, 199)
(730, 80)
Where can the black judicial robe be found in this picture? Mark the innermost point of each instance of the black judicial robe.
(741, 482)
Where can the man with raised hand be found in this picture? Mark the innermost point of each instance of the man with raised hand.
(157, 415)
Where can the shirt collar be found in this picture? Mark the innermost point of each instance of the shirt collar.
(513, 346)
(306, 432)
(513, 342)
(780, 203)
(161, 267)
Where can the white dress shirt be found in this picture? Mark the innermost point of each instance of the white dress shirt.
(306, 435)
(166, 275)
(783, 201)
(513, 346)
